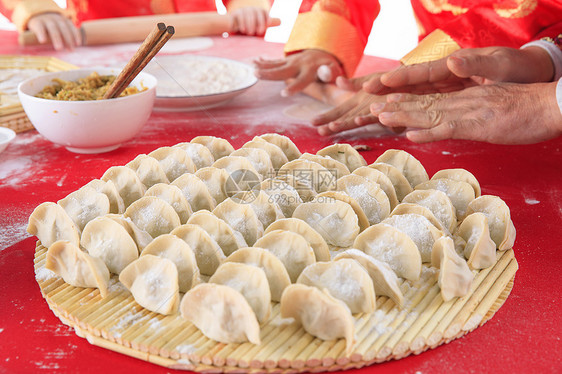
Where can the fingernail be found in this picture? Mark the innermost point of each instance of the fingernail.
(386, 116)
(393, 98)
(377, 107)
(458, 60)
(284, 93)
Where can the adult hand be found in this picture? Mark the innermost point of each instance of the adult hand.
(57, 29)
(301, 67)
(504, 113)
(250, 20)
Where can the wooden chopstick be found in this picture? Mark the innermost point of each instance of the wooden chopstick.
(148, 49)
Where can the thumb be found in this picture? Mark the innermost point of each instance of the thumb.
(486, 66)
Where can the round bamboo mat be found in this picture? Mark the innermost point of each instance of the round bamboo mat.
(118, 323)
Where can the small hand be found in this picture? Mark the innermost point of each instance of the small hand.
(503, 113)
(57, 28)
(250, 20)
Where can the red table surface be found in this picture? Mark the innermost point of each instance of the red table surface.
(523, 336)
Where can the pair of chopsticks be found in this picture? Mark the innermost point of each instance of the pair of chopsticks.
(148, 49)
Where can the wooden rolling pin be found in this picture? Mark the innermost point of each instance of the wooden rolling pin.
(135, 29)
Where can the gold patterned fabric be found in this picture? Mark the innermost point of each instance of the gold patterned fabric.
(433, 47)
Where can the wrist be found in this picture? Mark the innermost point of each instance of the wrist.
(540, 61)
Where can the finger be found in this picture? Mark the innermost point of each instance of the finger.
(250, 21)
(280, 73)
(487, 66)
(39, 30)
(261, 22)
(67, 33)
(76, 34)
(373, 85)
(432, 71)
(262, 62)
(303, 79)
(332, 114)
(54, 35)
(347, 123)
(441, 132)
(353, 84)
(324, 130)
(365, 120)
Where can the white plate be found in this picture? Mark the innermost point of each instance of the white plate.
(190, 83)
(6, 136)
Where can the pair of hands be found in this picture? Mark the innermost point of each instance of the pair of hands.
(62, 33)
(461, 96)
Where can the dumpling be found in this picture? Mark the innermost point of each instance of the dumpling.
(276, 155)
(335, 221)
(84, 205)
(153, 215)
(228, 239)
(312, 173)
(455, 278)
(345, 154)
(180, 253)
(251, 282)
(346, 280)
(298, 226)
(305, 190)
(221, 313)
(320, 314)
(173, 196)
(149, 170)
(49, 222)
(153, 281)
(218, 147)
(480, 249)
(76, 267)
(116, 204)
(369, 195)
(141, 237)
(283, 194)
(438, 203)
(335, 167)
(106, 239)
(419, 229)
(460, 193)
(242, 173)
(462, 175)
(410, 208)
(384, 278)
(242, 218)
(259, 159)
(198, 153)
(502, 230)
(216, 181)
(283, 142)
(382, 180)
(127, 183)
(407, 164)
(207, 252)
(401, 184)
(174, 161)
(328, 196)
(267, 210)
(393, 247)
(275, 271)
(292, 249)
(195, 191)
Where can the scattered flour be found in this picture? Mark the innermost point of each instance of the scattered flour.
(43, 274)
(531, 201)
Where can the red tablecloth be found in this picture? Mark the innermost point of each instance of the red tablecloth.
(523, 336)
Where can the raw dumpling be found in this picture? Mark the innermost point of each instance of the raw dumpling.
(228, 239)
(207, 252)
(266, 209)
(153, 281)
(292, 249)
(369, 195)
(401, 184)
(345, 154)
(127, 183)
(311, 173)
(438, 203)
(455, 277)
(460, 175)
(218, 147)
(409, 208)
(500, 224)
(174, 161)
(346, 280)
(221, 313)
(283, 194)
(242, 218)
(76, 267)
(298, 226)
(382, 180)
(328, 196)
(384, 278)
(419, 229)
(84, 205)
(407, 164)
(259, 159)
(243, 175)
(480, 249)
(303, 187)
(283, 142)
(173, 196)
(106, 239)
(116, 204)
(149, 170)
(393, 247)
(49, 222)
(460, 193)
(320, 314)
(251, 282)
(335, 221)
(276, 155)
(216, 181)
(275, 271)
(141, 237)
(153, 215)
(198, 153)
(335, 167)
(196, 192)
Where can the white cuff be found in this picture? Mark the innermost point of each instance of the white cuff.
(554, 52)
(559, 94)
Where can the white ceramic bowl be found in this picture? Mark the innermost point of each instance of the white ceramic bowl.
(6, 136)
(88, 126)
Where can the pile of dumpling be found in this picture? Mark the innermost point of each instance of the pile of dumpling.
(217, 233)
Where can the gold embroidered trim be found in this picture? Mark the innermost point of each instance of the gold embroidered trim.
(436, 45)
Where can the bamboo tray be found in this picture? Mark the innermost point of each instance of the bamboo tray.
(118, 323)
(12, 115)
